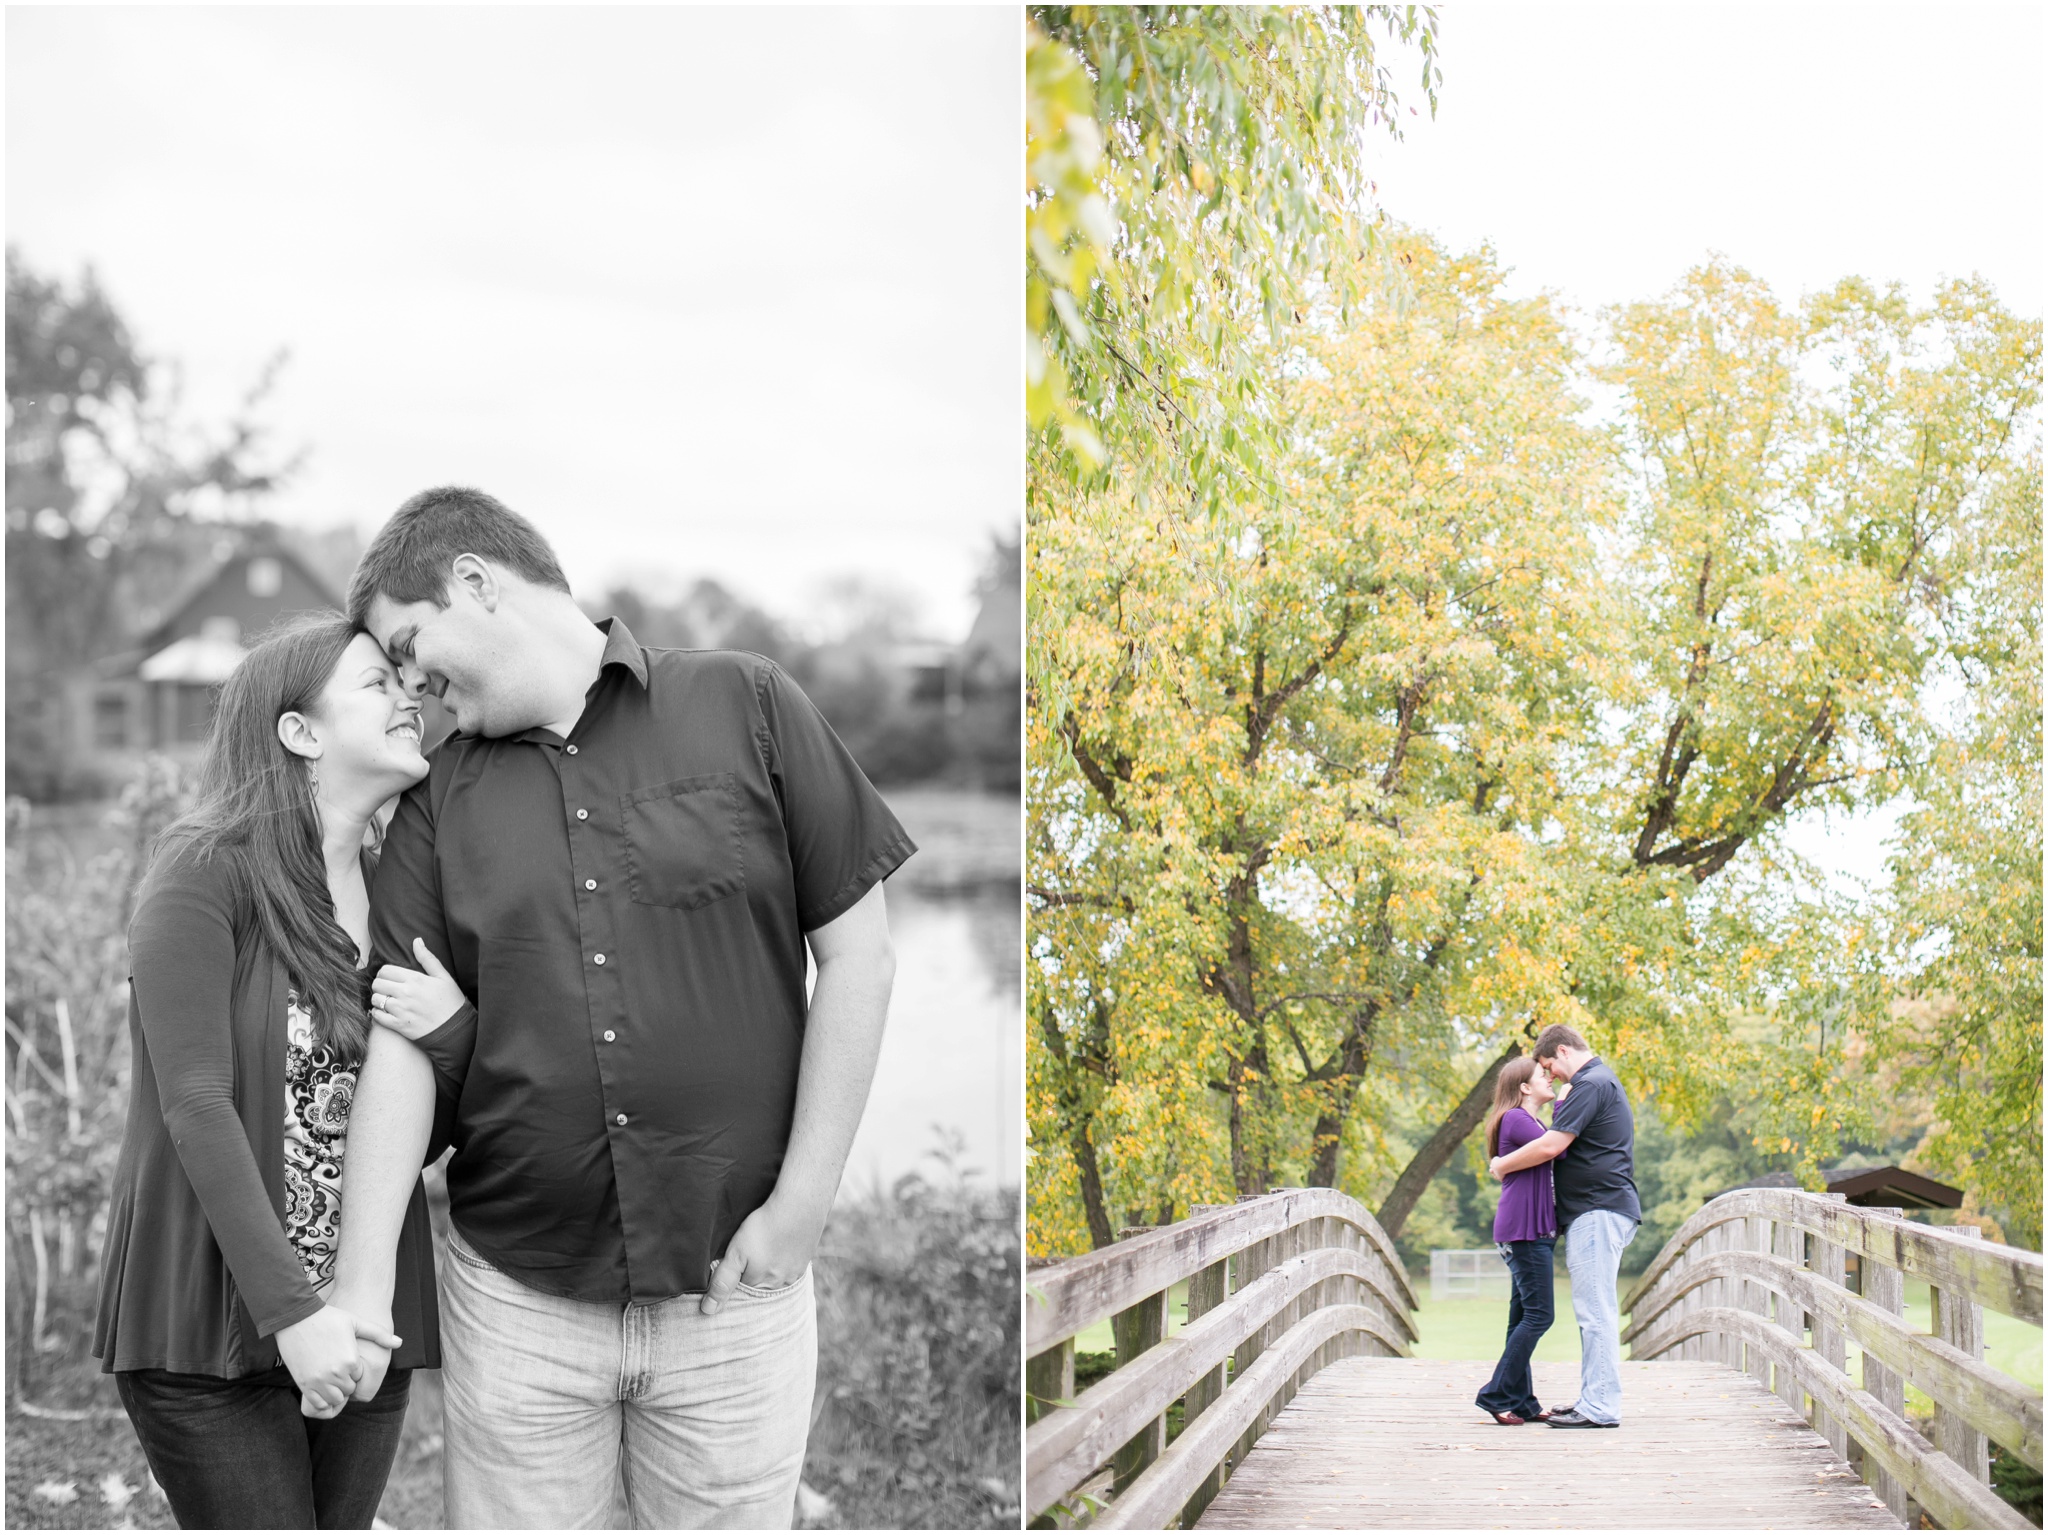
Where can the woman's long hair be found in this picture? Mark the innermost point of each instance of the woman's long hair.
(1507, 1092)
(255, 813)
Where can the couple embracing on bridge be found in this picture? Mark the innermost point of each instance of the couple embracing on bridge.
(1575, 1176)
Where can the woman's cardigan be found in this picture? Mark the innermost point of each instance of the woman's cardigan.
(197, 1274)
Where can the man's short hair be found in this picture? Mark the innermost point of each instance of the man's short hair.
(1558, 1034)
(409, 559)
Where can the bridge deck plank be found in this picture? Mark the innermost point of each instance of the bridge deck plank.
(1397, 1444)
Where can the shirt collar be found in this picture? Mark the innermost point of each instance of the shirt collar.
(620, 649)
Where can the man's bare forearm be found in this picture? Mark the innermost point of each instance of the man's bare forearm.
(842, 1040)
(388, 1127)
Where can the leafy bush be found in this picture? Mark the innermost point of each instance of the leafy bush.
(919, 1383)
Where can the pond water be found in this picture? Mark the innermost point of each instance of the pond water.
(951, 1075)
(952, 1059)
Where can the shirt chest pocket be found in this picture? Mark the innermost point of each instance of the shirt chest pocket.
(683, 841)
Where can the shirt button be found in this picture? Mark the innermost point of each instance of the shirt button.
(590, 884)
(572, 751)
(622, 1119)
(609, 1036)
(583, 815)
(600, 959)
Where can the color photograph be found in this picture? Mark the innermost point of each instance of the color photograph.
(514, 627)
(1533, 767)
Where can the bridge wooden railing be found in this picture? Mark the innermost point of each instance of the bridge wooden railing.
(1278, 1287)
(1758, 1279)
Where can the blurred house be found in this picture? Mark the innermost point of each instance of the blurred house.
(157, 696)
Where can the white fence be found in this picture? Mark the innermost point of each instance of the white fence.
(1466, 1273)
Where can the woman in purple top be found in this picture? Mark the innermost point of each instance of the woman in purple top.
(1525, 1230)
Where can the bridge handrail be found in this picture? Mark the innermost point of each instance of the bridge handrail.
(1279, 1286)
(1079, 1292)
(2006, 1279)
(1746, 1276)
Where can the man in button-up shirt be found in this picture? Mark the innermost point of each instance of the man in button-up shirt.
(619, 858)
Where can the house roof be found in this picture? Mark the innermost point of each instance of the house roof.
(247, 546)
(1887, 1187)
(197, 658)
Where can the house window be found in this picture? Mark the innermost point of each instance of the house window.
(110, 721)
(266, 577)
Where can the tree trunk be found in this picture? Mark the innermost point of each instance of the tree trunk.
(1099, 1231)
(1240, 1169)
(1329, 1133)
(1077, 1119)
(1329, 1138)
(1436, 1151)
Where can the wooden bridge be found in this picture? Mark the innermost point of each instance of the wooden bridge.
(1289, 1399)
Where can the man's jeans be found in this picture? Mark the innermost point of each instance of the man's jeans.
(1592, 1253)
(1531, 1308)
(554, 1405)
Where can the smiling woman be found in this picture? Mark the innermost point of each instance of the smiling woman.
(213, 1316)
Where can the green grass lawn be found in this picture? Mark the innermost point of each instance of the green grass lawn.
(1478, 1328)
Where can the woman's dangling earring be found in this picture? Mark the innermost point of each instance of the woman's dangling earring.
(313, 779)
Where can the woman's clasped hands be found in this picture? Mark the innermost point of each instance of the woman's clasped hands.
(321, 1354)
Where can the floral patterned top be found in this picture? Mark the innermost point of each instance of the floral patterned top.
(316, 1104)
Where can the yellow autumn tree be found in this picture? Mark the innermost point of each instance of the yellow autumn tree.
(1482, 719)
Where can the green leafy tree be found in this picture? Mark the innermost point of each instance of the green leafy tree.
(1953, 1002)
(1193, 174)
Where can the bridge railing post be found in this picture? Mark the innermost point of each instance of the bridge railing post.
(1789, 1243)
(1247, 1266)
(1049, 1380)
(1885, 1288)
(1696, 1346)
(1756, 1238)
(1137, 1329)
(1206, 1291)
(1960, 1322)
(1830, 1266)
(1727, 1349)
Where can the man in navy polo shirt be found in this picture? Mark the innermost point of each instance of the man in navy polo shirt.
(1597, 1210)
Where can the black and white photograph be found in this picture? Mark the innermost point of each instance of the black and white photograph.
(513, 707)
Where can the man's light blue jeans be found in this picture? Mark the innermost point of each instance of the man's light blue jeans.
(554, 1407)
(1592, 1255)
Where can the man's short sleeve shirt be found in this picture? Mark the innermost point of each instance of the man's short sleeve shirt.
(1598, 1173)
(627, 908)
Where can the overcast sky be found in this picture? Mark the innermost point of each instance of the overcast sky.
(1605, 149)
(701, 291)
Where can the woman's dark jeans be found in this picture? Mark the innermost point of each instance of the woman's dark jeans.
(237, 1454)
(1530, 1312)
